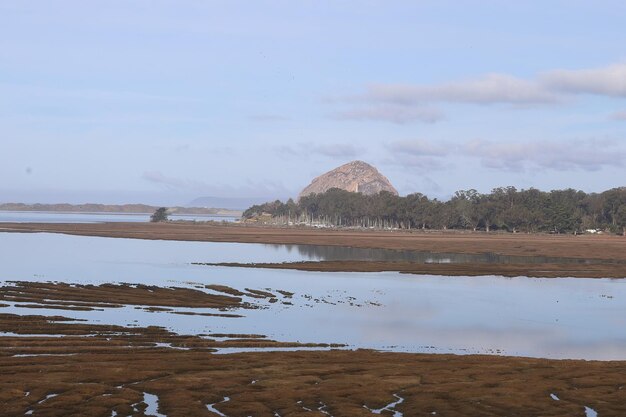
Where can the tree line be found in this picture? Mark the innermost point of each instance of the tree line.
(505, 208)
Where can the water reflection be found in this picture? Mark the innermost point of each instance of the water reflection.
(341, 253)
(554, 318)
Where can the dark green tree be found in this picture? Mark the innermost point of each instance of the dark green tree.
(505, 208)
(160, 215)
(620, 219)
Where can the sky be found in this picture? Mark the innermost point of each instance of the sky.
(161, 102)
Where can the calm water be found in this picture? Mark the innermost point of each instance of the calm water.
(338, 253)
(55, 217)
(555, 318)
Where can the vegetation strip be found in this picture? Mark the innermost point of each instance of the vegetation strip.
(505, 208)
(87, 297)
(506, 270)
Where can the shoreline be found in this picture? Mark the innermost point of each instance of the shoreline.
(582, 246)
(607, 254)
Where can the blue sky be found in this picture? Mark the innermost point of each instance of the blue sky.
(165, 101)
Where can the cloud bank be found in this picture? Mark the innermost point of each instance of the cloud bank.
(608, 81)
(489, 89)
(408, 103)
(571, 155)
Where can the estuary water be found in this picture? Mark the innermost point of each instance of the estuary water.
(552, 318)
(57, 217)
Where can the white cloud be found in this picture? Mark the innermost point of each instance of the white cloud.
(488, 89)
(391, 113)
(405, 103)
(572, 155)
(590, 155)
(607, 81)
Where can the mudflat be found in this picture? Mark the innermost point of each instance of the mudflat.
(88, 297)
(551, 270)
(98, 370)
(605, 247)
(150, 297)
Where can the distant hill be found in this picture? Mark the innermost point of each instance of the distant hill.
(355, 176)
(233, 203)
(115, 208)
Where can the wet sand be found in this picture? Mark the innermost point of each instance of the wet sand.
(113, 368)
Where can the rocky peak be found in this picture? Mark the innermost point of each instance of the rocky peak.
(355, 176)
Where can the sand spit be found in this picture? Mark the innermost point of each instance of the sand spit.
(585, 246)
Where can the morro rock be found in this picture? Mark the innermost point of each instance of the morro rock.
(355, 176)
